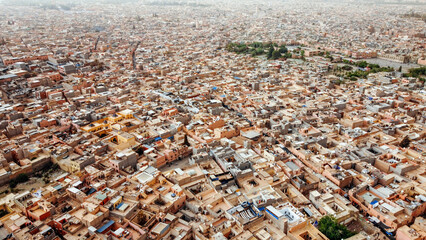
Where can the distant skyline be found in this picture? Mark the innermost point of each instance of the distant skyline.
(18, 2)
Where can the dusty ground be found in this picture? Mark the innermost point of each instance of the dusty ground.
(176, 164)
(356, 226)
(364, 225)
(33, 183)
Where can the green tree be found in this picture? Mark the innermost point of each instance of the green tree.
(276, 54)
(22, 178)
(416, 72)
(270, 51)
(347, 68)
(332, 229)
(287, 55)
(267, 45)
(257, 51)
(370, 65)
(256, 45)
(283, 49)
(362, 64)
(13, 184)
(230, 47)
(242, 48)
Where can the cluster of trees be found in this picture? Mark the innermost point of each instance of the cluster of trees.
(357, 74)
(276, 53)
(369, 68)
(347, 68)
(272, 50)
(416, 73)
(21, 178)
(327, 55)
(46, 172)
(333, 230)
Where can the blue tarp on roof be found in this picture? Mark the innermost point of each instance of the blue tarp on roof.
(157, 139)
(92, 190)
(374, 202)
(237, 78)
(214, 88)
(119, 205)
(104, 227)
(273, 215)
